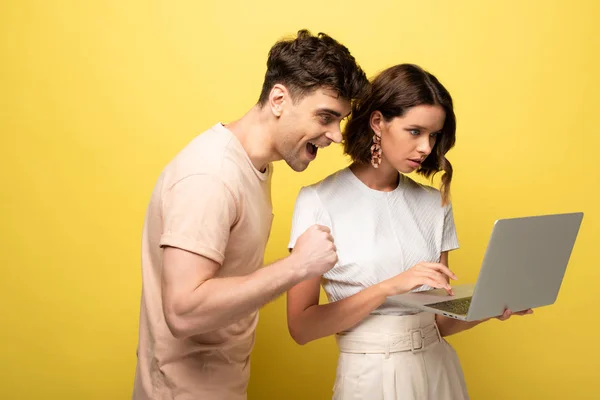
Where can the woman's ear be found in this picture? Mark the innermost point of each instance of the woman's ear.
(376, 122)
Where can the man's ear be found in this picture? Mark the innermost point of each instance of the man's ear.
(278, 97)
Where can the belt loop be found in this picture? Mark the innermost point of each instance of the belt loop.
(388, 344)
(438, 332)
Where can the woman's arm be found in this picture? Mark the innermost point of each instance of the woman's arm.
(308, 320)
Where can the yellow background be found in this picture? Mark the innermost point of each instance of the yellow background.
(97, 96)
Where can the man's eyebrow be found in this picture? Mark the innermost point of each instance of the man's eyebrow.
(329, 111)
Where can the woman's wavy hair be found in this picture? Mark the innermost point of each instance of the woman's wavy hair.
(392, 93)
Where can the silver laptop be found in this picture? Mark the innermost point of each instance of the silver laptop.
(523, 268)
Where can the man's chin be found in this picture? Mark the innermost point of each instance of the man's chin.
(298, 166)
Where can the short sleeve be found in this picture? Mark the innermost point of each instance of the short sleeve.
(308, 211)
(449, 237)
(198, 212)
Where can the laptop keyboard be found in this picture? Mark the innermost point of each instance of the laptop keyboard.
(457, 306)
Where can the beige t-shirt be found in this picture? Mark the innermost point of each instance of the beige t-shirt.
(210, 200)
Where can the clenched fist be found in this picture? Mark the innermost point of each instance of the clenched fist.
(315, 252)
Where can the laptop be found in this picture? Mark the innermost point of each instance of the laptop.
(523, 267)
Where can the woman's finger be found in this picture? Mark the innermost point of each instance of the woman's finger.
(441, 268)
(437, 277)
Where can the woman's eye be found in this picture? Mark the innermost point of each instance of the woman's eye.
(414, 132)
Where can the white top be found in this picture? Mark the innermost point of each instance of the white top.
(377, 234)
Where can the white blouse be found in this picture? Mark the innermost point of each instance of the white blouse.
(377, 234)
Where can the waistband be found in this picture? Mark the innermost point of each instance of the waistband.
(385, 334)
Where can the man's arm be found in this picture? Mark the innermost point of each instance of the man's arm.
(195, 301)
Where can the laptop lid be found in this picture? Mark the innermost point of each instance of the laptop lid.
(524, 263)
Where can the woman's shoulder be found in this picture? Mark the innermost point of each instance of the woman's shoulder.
(329, 182)
(419, 190)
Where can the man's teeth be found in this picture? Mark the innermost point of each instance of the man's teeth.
(316, 145)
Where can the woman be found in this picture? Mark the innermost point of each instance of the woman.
(392, 236)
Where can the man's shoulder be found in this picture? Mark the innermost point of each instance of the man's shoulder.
(213, 153)
(209, 150)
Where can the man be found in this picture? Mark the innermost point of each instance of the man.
(209, 219)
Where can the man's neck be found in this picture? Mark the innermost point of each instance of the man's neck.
(255, 132)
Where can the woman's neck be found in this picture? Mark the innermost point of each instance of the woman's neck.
(384, 178)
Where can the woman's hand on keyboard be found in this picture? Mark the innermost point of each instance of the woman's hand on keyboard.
(435, 275)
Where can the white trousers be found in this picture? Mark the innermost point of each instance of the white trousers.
(389, 357)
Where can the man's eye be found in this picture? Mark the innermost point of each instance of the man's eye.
(326, 119)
